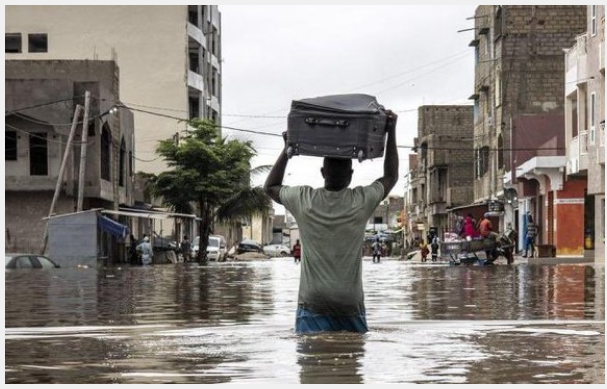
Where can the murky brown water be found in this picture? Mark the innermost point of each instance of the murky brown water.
(233, 323)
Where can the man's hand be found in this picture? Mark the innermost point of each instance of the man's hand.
(391, 123)
(390, 176)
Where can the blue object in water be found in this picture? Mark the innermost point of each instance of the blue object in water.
(308, 322)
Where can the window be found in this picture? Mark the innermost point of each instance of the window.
(592, 119)
(194, 103)
(193, 14)
(481, 161)
(593, 25)
(10, 145)
(498, 88)
(500, 151)
(38, 43)
(214, 82)
(215, 41)
(24, 263)
(122, 166)
(194, 62)
(499, 21)
(45, 263)
(131, 162)
(106, 152)
(488, 51)
(12, 43)
(602, 218)
(38, 154)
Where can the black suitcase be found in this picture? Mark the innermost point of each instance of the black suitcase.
(339, 126)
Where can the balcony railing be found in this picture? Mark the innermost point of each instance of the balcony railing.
(583, 143)
(195, 80)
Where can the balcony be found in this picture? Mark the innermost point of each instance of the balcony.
(437, 199)
(196, 34)
(577, 162)
(195, 80)
(576, 71)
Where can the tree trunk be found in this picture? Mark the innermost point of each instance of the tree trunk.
(205, 230)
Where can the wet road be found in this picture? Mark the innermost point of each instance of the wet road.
(233, 323)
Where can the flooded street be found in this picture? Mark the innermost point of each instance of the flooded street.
(234, 323)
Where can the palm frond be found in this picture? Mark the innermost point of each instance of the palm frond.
(246, 203)
(262, 169)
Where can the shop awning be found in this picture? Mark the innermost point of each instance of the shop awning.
(112, 227)
(148, 214)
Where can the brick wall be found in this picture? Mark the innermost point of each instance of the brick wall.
(526, 61)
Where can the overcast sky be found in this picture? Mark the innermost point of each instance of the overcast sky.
(406, 56)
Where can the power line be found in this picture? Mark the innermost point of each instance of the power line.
(419, 76)
(7, 113)
(412, 70)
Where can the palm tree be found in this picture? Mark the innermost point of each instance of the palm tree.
(214, 174)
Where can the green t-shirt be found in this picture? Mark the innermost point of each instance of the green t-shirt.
(332, 230)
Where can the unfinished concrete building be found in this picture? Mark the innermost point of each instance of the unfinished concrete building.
(442, 176)
(41, 97)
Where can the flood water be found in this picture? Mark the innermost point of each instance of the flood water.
(234, 323)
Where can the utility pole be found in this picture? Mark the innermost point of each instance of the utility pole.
(66, 153)
(85, 126)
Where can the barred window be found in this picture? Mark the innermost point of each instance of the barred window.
(10, 145)
(106, 153)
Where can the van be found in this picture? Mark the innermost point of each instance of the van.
(216, 248)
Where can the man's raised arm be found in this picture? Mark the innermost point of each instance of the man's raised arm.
(391, 158)
(273, 183)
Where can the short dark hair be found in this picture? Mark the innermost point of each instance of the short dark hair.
(337, 166)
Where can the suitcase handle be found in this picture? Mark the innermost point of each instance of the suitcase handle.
(327, 122)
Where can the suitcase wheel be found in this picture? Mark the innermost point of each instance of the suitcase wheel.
(290, 151)
(361, 155)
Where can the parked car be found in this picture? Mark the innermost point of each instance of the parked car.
(216, 248)
(28, 261)
(249, 246)
(277, 250)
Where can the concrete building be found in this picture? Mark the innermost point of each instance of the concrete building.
(519, 111)
(385, 216)
(169, 58)
(40, 101)
(585, 131)
(441, 178)
(259, 228)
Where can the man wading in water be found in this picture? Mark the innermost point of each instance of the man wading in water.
(332, 224)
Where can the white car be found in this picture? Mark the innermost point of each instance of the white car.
(277, 250)
(216, 248)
